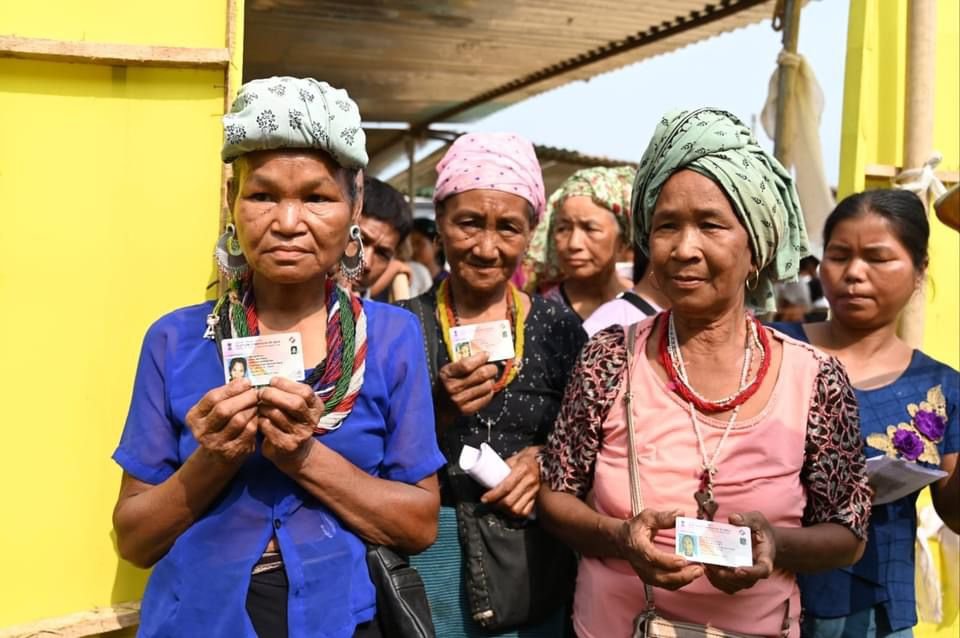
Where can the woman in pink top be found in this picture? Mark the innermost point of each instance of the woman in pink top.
(734, 422)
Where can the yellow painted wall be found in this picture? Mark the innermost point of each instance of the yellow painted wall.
(873, 110)
(110, 184)
(182, 23)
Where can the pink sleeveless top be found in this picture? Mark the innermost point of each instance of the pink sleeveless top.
(758, 469)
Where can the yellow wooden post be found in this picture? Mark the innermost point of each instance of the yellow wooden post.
(110, 179)
(872, 138)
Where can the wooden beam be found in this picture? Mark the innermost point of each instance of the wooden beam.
(84, 623)
(113, 54)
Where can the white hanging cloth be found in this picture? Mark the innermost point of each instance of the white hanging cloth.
(936, 589)
(803, 152)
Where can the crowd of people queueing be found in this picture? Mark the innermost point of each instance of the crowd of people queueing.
(627, 403)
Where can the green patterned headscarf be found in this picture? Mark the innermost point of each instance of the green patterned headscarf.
(607, 187)
(717, 145)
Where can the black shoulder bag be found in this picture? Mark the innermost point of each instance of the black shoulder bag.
(515, 572)
(402, 607)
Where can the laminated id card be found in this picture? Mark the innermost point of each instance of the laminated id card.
(263, 357)
(715, 543)
(493, 337)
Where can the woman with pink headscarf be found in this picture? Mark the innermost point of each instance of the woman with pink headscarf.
(493, 571)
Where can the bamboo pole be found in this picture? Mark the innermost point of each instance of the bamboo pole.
(918, 129)
(411, 171)
(787, 83)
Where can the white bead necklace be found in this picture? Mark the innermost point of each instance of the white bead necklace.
(706, 504)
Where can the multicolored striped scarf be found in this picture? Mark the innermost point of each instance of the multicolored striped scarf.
(337, 380)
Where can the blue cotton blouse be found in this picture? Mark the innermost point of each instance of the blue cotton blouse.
(200, 586)
(885, 575)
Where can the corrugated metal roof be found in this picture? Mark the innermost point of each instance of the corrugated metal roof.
(412, 60)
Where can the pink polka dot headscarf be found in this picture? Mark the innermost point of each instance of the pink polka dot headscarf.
(497, 161)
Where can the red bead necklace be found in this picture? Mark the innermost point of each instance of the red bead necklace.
(688, 394)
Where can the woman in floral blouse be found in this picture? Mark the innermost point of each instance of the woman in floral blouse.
(778, 451)
(874, 259)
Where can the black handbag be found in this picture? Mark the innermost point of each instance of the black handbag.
(402, 607)
(515, 572)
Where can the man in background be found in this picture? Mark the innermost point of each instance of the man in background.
(385, 222)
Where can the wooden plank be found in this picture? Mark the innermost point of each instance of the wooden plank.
(84, 623)
(113, 54)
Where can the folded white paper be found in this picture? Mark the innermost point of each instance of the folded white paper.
(484, 465)
(893, 478)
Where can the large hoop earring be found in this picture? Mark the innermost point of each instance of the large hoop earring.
(756, 280)
(230, 259)
(352, 266)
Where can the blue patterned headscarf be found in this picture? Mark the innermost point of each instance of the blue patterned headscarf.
(285, 112)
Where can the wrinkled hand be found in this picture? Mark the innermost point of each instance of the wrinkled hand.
(517, 493)
(224, 421)
(732, 579)
(653, 566)
(469, 382)
(288, 412)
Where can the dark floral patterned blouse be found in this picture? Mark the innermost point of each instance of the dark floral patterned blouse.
(524, 412)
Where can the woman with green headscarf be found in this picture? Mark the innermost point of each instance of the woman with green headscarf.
(576, 245)
(734, 422)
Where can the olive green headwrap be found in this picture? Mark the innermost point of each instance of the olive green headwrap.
(717, 145)
(607, 187)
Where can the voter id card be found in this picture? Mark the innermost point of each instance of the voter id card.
(492, 337)
(701, 541)
(261, 358)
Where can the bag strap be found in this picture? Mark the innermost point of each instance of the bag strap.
(426, 313)
(636, 497)
(639, 302)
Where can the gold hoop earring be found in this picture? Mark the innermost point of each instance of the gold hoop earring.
(756, 280)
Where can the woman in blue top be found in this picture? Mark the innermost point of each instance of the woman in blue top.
(253, 504)
(875, 257)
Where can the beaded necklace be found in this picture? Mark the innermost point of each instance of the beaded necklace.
(672, 361)
(447, 315)
(674, 365)
(337, 379)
